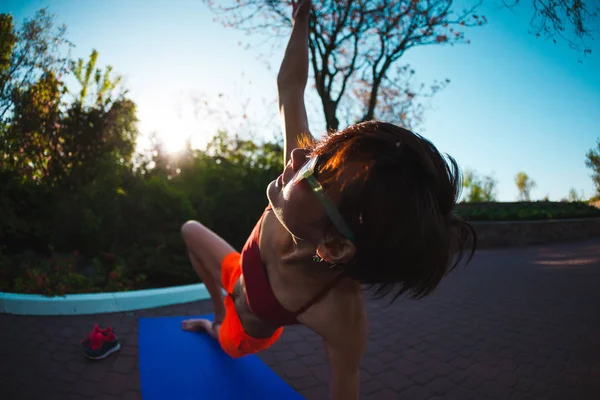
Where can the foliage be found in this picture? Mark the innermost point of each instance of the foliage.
(525, 184)
(355, 48)
(135, 217)
(521, 211)
(33, 50)
(66, 274)
(44, 137)
(80, 213)
(8, 38)
(593, 162)
(480, 188)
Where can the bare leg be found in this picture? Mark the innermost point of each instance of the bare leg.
(206, 251)
(214, 288)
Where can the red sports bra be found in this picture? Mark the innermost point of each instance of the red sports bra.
(259, 295)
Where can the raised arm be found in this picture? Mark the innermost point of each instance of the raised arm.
(341, 321)
(344, 356)
(292, 79)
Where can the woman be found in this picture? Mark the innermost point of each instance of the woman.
(371, 204)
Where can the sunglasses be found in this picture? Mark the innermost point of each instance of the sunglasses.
(307, 172)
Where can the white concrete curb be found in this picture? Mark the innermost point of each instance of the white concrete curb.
(100, 303)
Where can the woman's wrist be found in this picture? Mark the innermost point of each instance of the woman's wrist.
(300, 21)
(300, 30)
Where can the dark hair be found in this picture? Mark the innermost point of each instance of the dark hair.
(398, 197)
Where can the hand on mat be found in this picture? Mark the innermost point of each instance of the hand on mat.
(201, 325)
(300, 9)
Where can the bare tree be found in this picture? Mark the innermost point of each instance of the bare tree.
(571, 20)
(397, 97)
(355, 45)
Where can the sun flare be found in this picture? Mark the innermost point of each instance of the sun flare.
(175, 138)
(174, 129)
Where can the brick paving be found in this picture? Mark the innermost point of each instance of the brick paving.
(516, 324)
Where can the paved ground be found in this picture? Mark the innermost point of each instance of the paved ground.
(517, 324)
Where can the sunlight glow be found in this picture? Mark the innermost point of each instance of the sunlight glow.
(174, 123)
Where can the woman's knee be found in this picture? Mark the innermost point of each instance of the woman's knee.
(200, 238)
(191, 230)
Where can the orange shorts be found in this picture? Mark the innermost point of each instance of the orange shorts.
(232, 337)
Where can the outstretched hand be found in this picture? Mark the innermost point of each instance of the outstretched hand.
(300, 10)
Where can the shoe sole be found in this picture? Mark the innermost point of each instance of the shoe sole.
(109, 352)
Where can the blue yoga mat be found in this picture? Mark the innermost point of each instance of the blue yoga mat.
(175, 365)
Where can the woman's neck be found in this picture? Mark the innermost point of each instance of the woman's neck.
(281, 247)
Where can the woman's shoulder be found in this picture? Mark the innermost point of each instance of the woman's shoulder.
(341, 310)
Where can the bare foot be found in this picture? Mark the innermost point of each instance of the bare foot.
(201, 325)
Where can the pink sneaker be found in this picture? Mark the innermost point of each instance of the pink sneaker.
(101, 344)
(96, 330)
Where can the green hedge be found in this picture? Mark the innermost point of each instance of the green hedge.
(526, 211)
(121, 230)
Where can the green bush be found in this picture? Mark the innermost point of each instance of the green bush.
(133, 216)
(150, 240)
(71, 183)
(66, 274)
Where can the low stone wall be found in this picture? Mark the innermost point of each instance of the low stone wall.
(519, 233)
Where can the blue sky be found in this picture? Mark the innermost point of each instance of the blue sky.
(515, 103)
